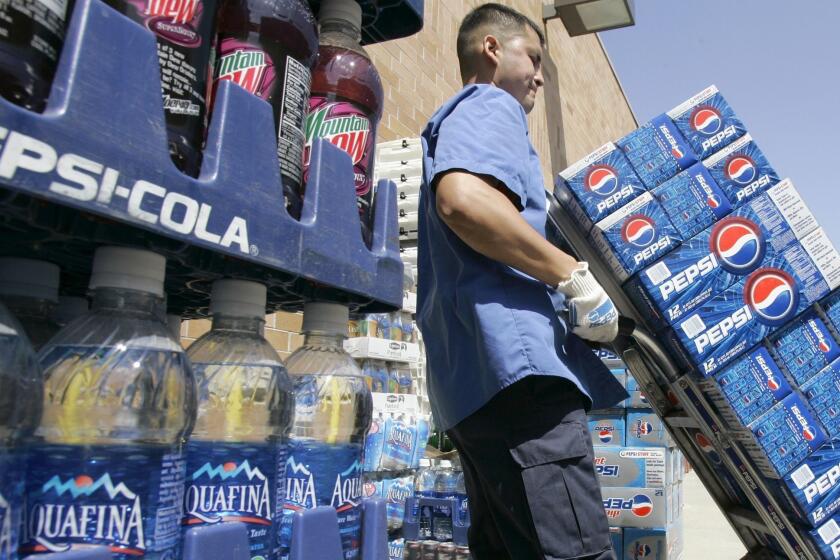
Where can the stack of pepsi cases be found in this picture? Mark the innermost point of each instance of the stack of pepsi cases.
(731, 270)
(640, 472)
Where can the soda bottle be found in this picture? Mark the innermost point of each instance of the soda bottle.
(184, 30)
(68, 308)
(21, 397)
(119, 402)
(333, 409)
(269, 48)
(29, 288)
(31, 37)
(237, 450)
(445, 487)
(346, 101)
(424, 487)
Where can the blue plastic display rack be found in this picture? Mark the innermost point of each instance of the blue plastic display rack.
(94, 169)
(384, 20)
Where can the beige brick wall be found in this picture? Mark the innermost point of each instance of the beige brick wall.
(581, 107)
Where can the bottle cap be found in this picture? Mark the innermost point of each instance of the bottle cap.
(174, 324)
(29, 278)
(344, 10)
(132, 269)
(238, 298)
(330, 318)
(446, 464)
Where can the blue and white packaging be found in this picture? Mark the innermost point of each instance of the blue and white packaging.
(637, 507)
(741, 316)
(741, 171)
(707, 122)
(621, 376)
(598, 185)
(787, 434)
(636, 467)
(827, 538)
(831, 308)
(657, 151)
(634, 236)
(663, 543)
(804, 347)
(822, 392)
(814, 486)
(746, 388)
(645, 429)
(610, 359)
(617, 541)
(637, 397)
(708, 263)
(607, 428)
(692, 200)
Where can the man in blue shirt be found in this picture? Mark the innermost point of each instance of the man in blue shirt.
(503, 311)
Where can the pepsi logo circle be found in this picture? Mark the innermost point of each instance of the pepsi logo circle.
(642, 506)
(741, 169)
(706, 120)
(808, 433)
(772, 295)
(602, 180)
(706, 447)
(639, 230)
(605, 436)
(738, 244)
(642, 551)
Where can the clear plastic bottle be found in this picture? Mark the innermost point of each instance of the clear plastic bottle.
(445, 487)
(245, 407)
(424, 487)
(174, 323)
(68, 308)
(333, 409)
(119, 402)
(29, 288)
(21, 398)
(461, 494)
(396, 326)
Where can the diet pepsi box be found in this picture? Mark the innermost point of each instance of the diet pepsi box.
(662, 543)
(692, 200)
(657, 151)
(804, 347)
(597, 185)
(645, 429)
(636, 507)
(637, 397)
(716, 258)
(827, 538)
(814, 486)
(617, 541)
(707, 122)
(787, 434)
(634, 236)
(746, 388)
(831, 308)
(822, 392)
(638, 467)
(741, 316)
(607, 428)
(741, 171)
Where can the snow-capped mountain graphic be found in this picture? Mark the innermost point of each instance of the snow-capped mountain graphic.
(85, 486)
(228, 470)
(356, 467)
(297, 468)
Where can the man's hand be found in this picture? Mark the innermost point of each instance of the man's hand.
(592, 314)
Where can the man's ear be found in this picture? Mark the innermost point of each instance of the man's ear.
(490, 48)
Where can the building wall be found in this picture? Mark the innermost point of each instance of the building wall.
(581, 107)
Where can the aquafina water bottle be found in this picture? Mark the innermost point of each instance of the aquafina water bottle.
(29, 288)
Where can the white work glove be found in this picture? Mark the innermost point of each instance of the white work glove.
(592, 314)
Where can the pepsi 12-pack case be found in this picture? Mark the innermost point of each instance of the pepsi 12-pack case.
(707, 122)
(741, 171)
(692, 200)
(804, 347)
(657, 151)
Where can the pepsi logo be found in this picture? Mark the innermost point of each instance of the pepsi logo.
(706, 120)
(642, 506)
(772, 384)
(639, 230)
(677, 153)
(706, 447)
(808, 433)
(741, 169)
(602, 180)
(644, 428)
(642, 551)
(824, 347)
(713, 201)
(772, 295)
(738, 244)
(605, 436)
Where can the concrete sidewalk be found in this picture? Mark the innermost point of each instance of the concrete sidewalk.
(707, 532)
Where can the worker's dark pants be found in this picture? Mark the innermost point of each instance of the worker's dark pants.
(530, 478)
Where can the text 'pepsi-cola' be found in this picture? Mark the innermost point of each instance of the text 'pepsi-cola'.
(707, 122)
(598, 185)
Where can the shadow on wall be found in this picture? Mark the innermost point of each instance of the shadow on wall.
(553, 112)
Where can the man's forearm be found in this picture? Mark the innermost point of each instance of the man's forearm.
(486, 220)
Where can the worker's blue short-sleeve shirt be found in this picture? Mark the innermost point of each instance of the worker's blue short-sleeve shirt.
(486, 325)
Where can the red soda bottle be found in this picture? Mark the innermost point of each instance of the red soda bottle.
(184, 31)
(31, 36)
(269, 48)
(346, 101)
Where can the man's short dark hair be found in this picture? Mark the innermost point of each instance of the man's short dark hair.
(495, 17)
